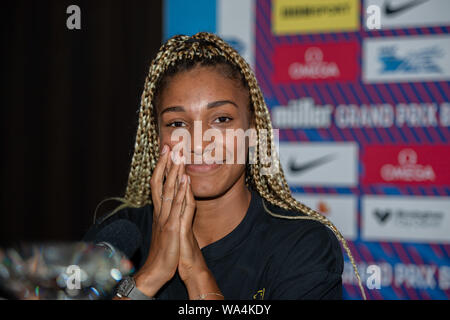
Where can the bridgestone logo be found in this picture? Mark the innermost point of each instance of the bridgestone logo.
(324, 10)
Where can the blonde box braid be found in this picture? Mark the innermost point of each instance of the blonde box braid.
(271, 187)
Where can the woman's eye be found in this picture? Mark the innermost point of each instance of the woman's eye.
(222, 119)
(176, 124)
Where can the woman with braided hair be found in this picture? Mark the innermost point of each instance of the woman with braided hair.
(221, 229)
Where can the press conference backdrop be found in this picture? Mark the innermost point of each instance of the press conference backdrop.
(360, 93)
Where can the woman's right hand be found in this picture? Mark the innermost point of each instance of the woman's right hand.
(167, 197)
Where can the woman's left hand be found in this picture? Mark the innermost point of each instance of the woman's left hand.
(192, 267)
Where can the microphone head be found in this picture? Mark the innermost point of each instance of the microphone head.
(122, 234)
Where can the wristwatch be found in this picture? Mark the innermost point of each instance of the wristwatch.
(127, 289)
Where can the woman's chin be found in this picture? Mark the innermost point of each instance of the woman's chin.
(204, 189)
(216, 184)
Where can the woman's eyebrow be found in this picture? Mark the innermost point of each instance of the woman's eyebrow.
(172, 109)
(220, 103)
(208, 106)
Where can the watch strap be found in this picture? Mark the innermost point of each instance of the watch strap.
(136, 294)
(127, 288)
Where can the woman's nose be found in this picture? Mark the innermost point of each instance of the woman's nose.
(197, 143)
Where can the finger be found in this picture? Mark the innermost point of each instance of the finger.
(177, 204)
(175, 158)
(168, 167)
(156, 181)
(189, 211)
(180, 174)
(183, 172)
(168, 192)
(178, 160)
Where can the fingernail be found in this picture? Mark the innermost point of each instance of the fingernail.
(189, 179)
(183, 178)
(164, 149)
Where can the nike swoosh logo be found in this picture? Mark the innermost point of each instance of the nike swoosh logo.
(389, 10)
(310, 164)
(382, 216)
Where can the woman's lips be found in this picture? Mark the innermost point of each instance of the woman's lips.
(200, 168)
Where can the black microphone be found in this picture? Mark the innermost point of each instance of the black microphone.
(122, 235)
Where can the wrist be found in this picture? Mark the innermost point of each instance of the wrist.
(149, 282)
(201, 282)
(197, 276)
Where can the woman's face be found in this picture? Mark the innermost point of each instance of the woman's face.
(209, 107)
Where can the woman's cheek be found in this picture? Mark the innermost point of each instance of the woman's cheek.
(164, 138)
(176, 143)
(235, 150)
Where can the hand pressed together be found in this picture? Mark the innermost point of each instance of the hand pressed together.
(173, 244)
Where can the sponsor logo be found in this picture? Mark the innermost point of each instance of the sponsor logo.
(302, 113)
(385, 115)
(259, 295)
(422, 60)
(411, 13)
(295, 169)
(341, 210)
(420, 165)
(292, 16)
(405, 218)
(406, 59)
(323, 208)
(382, 215)
(407, 169)
(375, 115)
(314, 66)
(320, 164)
(389, 9)
(320, 62)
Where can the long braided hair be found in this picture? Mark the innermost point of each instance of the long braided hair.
(272, 187)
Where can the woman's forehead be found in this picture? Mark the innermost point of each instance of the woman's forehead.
(202, 85)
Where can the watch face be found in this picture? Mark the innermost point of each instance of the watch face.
(125, 286)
